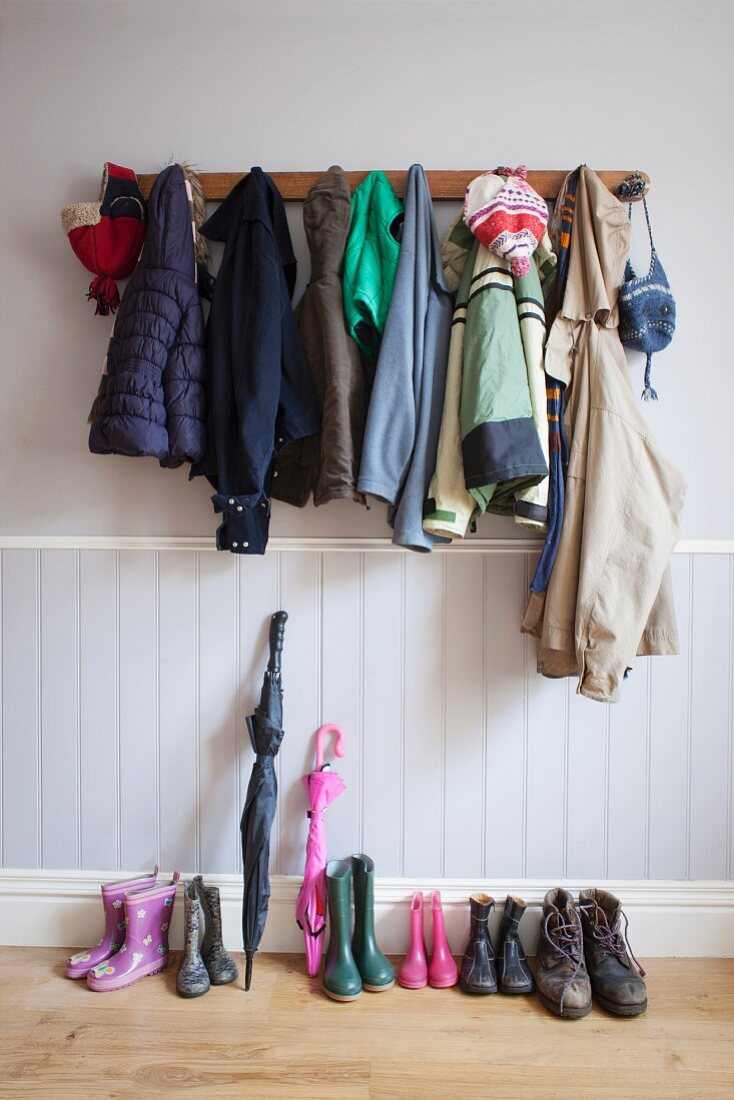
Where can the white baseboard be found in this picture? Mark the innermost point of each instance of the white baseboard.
(63, 909)
(474, 544)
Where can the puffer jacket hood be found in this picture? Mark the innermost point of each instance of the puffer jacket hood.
(169, 244)
(151, 400)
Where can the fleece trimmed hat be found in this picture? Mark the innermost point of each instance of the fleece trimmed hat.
(107, 235)
(506, 215)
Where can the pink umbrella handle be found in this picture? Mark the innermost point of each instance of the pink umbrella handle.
(321, 733)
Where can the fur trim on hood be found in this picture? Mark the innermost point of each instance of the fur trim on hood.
(198, 211)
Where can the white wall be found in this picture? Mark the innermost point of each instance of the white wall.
(379, 84)
(126, 676)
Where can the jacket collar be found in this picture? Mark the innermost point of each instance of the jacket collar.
(255, 198)
(599, 248)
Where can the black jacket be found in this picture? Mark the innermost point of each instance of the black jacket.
(261, 397)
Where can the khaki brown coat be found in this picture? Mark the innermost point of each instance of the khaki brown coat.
(609, 596)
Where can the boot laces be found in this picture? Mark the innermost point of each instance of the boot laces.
(612, 940)
(567, 937)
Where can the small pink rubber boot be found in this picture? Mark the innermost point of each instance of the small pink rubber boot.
(443, 971)
(413, 973)
(113, 896)
(145, 950)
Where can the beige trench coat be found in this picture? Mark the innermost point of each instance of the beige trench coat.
(609, 596)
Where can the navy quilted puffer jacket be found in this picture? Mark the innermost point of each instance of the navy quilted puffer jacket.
(154, 400)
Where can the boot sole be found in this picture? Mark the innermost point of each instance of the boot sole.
(76, 974)
(515, 992)
(476, 990)
(377, 988)
(567, 1014)
(621, 1010)
(190, 996)
(99, 986)
(412, 985)
(340, 996)
(443, 984)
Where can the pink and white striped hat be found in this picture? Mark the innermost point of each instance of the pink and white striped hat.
(506, 215)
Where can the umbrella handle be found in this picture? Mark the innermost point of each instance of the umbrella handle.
(277, 633)
(321, 733)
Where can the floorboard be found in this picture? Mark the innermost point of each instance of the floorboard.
(285, 1039)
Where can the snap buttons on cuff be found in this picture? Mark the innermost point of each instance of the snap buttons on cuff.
(235, 545)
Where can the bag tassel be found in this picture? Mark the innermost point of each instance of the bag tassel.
(649, 394)
(103, 290)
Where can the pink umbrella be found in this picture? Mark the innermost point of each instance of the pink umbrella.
(322, 786)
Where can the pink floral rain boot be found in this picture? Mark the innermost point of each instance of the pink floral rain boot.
(145, 950)
(413, 973)
(113, 896)
(442, 971)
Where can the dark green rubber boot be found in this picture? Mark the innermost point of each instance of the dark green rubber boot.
(376, 970)
(341, 976)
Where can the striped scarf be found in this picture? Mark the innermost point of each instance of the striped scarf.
(560, 228)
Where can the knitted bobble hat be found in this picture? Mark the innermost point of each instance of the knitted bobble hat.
(506, 215)
(107, 235)
(646, 303)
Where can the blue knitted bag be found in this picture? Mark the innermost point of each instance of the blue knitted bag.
(646, 304)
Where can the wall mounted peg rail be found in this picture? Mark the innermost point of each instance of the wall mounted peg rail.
(448, 186)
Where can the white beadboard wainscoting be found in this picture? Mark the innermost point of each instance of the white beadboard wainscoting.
(127, 674)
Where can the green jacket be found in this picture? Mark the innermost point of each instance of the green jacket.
(371, 260)
(493, 446)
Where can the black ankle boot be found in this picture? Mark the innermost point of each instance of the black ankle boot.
(515, 976)
(478, 972)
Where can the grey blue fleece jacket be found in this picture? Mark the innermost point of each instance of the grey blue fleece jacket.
(404, 418)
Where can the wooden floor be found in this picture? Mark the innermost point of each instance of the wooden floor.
(285, 1039)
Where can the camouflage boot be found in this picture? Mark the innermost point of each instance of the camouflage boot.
(219, 963)
(192, 979)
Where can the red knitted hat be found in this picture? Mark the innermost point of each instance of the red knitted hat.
(107, 235)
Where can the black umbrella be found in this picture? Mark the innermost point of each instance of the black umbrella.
(265, 727)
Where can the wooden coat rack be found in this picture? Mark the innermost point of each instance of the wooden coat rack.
(448, 186)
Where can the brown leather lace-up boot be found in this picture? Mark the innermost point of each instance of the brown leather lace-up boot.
(617, 982)
(560, 973)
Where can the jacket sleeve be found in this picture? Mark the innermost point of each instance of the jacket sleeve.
(449, 507)
(256, 355)
(183, 389)
(531, 503)
(634, 498)
(391, 418)
(132, 413)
